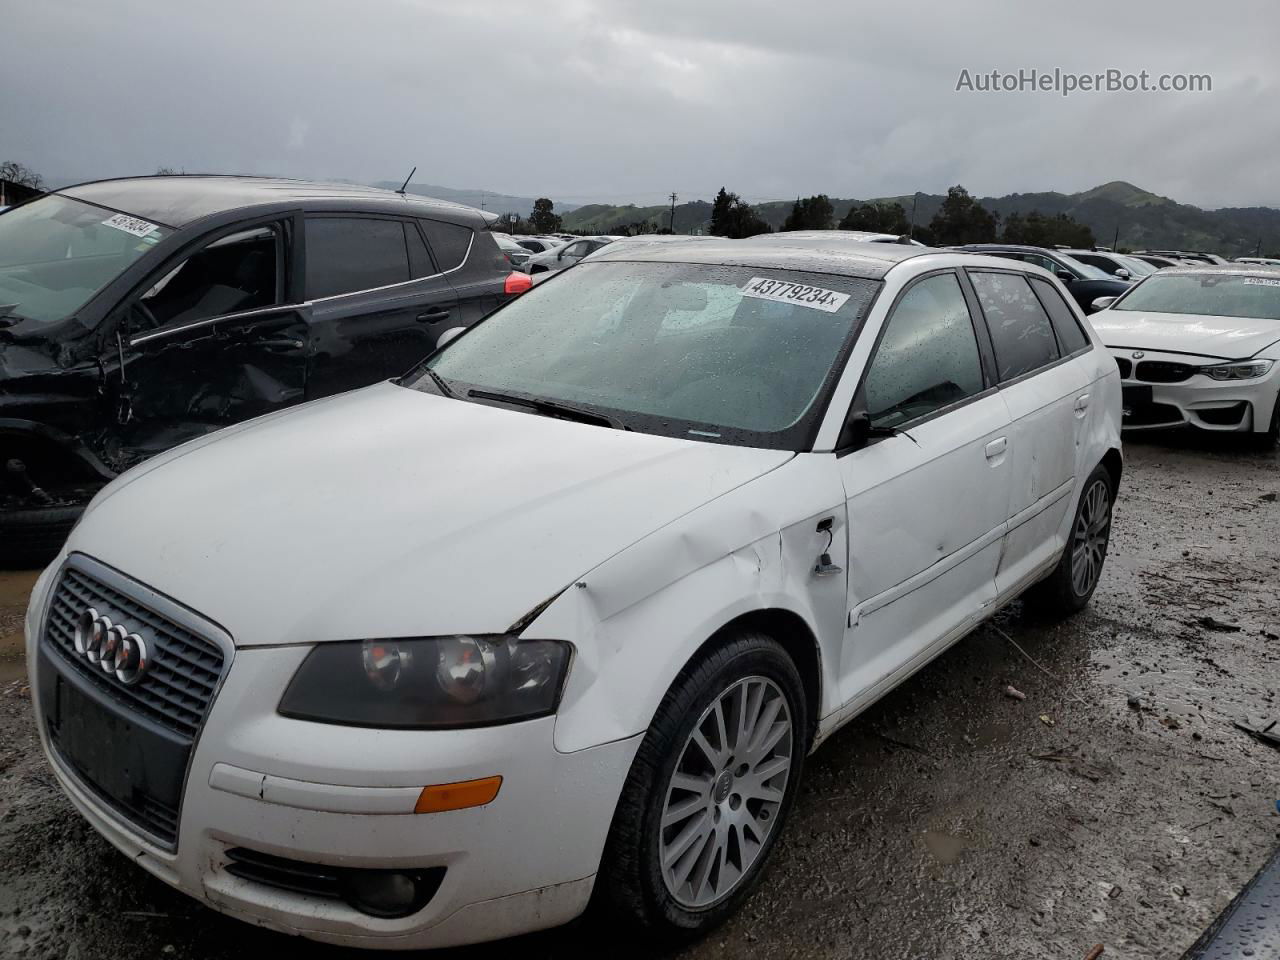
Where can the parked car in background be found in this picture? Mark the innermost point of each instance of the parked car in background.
(1118, 265)
(141, 313)
(857, 236)
(539, 244)
(1262, 261)
(1185, 256)
(516, 255)
(1085, 283)
(568, 255)
(394, 697)
(1198, 346)
(1158, 262)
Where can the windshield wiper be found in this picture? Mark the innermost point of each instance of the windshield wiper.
(551, 408)
(439, 382)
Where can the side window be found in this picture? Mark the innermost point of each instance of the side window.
(1065, 324)
(420, 264)
(449, 242)
(241, 271)
(928, 357)
(1020, 329)
(578, 249)
(346, 254)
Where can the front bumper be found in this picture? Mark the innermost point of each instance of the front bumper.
(1225, 406)
(341, 796)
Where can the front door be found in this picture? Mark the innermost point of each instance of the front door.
(378, 302)
(928, 496)
(209, 340)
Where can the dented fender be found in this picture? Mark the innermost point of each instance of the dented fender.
(638, 618)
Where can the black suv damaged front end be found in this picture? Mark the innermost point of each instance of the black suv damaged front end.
(54, 452)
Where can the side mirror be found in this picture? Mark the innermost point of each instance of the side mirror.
(1123, 274)
(858, 431)
(1066, 276)
(451, 334)
(1102, 303)
(560, 255)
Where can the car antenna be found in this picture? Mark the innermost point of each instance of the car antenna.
(405, 185)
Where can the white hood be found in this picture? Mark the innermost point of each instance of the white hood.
(1232, 338)
(390, 512)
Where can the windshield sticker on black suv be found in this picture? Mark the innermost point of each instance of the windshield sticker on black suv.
(800, 294)
(130, 225)
(1261, 282)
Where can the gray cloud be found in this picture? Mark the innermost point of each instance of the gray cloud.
(630, 99)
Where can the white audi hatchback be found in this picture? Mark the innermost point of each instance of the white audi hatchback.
(566, 608)
(1199, 347)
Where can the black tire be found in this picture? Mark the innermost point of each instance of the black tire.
(31, 537)
(1059, 594)
(631, 883)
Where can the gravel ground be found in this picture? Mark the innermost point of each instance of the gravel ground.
(1115, 805)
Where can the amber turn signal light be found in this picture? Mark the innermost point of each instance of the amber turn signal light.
(457, 796)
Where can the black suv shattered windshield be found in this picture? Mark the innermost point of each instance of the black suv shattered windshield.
(56, 253)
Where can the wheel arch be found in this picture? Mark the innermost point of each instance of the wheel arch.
(794, 635)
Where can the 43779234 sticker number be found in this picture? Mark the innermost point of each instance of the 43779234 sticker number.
(799, 294)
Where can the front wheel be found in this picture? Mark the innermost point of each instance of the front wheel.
(709, 790)
(1071, 585)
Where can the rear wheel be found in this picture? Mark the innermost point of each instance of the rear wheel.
(1071, 585)
(709, 790)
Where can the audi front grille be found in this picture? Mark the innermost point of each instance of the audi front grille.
(127, 733)
(184, 669)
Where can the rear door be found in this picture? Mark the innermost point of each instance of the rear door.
(927, 505)
(1047, 395)
(474, 265)
(378, 302)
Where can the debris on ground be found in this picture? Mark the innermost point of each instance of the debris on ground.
(1216, 625)
(1014, 693)
(1263, 735)
(1046, 720)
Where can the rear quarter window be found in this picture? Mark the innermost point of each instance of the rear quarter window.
(1070, 336)
(449, 242)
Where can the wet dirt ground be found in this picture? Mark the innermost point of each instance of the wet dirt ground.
(1115, 805)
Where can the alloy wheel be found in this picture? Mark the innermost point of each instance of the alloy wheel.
(1089, 543)
(725, 794)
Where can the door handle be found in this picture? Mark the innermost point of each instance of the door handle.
(434, 315)
(996, 448)
(1082, 404)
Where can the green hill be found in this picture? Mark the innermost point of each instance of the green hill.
(1144, 219)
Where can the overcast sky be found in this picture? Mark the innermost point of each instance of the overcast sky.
(584, 100)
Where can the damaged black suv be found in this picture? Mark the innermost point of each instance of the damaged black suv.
(138, 314)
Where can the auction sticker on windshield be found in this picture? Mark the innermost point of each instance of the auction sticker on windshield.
(800, 294)
(131, 225)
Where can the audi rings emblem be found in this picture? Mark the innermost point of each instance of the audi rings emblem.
(111, 647)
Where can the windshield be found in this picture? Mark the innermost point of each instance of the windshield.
(56, 253)
(1206, 294)
(733, 354)
(1084, 270)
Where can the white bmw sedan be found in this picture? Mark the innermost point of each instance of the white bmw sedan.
(1199, 347)
(566, 608)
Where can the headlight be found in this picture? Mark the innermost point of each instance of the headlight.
(429, 682)
(1244, 370)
